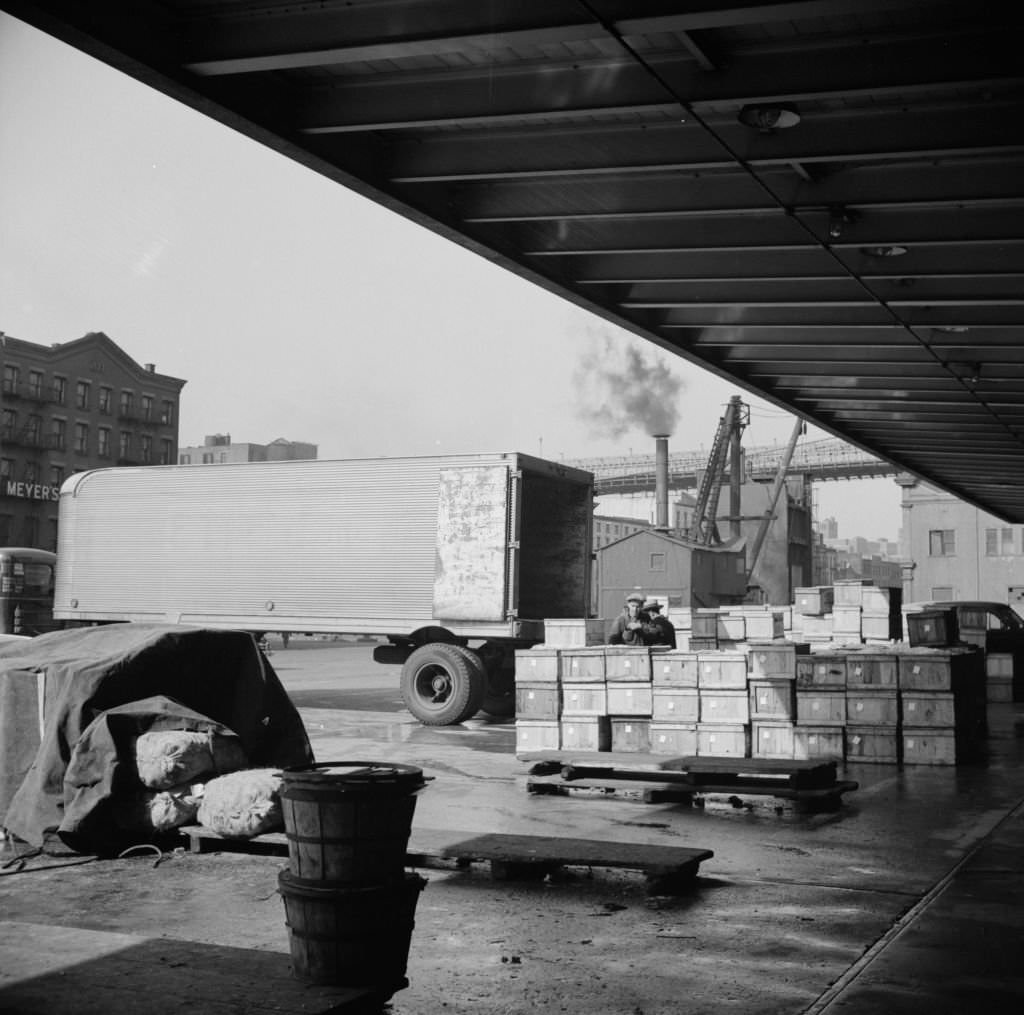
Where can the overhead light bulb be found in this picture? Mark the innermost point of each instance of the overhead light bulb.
(769, 116)
(888, 250)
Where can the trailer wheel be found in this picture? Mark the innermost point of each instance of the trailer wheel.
(443, 684)
(500, 694)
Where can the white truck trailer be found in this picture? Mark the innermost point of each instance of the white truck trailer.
(456, 560)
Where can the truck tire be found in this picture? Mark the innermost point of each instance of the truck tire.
(443, 685)
(500, 694)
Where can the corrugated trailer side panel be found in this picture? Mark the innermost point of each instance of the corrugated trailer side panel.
(340, 545)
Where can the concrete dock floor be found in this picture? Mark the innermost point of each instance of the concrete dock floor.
(905, 900)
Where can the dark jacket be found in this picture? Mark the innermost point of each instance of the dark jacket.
(658, 630)
(621, 634)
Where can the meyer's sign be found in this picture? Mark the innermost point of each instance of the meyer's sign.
(30, 491)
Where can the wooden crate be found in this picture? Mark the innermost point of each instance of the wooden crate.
(819, 742)
(873, 744)
(704, 624)
(821, 708)
(771, 739)
(623, 662)
(999, 664)
(586, 733)
(674, 669)
(815, 601)
(731, 627)
(537, 735)
(846, 622)
(723, 740)
(538, 664)
(583, 665)
(772, 699)
(873, 707)
(764, 626)
(999, 689)
(629, 734)
(699, 644)
(584, 699)
(630, 699)
(722, 670)
(574, 633)
(538, 700)
(929, 746)
(724, 706)
(875, 626)
(673, 738)
(849, 592)
(821, 670)
(939, 670)
(675, 705)
(876, 600)
(930, 709)
(866, 670)
(775, 660)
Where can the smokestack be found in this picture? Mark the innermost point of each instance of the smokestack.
(661, 482)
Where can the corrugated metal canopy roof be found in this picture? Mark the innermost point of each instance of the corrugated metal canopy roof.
(863, 267)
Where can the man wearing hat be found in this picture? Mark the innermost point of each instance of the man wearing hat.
(627, 628)
(657, 630)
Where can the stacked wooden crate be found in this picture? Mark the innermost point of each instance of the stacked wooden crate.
(774, 700)
(942, 705)
(1000, 668)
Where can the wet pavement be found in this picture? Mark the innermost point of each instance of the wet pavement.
(906, 900)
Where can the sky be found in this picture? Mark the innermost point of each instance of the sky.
(272, 292)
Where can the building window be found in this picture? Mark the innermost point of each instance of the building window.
(657, 562)
(998, 542)
(166, 452)
(33, 426)
(31, 473)
(82, 389)
(167, 412)
(207, 458)
(35, 384)
(103, 442)
(146, 448)
(82, 438)
(10, 379)
(942, 593)
(6, 468)
(60, 390)
(126, 404)
(104, 401)
(56, 475)
(124, 446)
(942, 542)
(147, 407)
(10, 423)
(184, 459)
(58, 434)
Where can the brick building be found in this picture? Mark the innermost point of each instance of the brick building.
(68, 407)
(219, 449)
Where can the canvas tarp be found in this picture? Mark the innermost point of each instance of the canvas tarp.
(209, 679)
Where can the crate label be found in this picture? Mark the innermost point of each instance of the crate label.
(813, 738)
(857, 671)
(629, 692)
(707, 667)
(763, 700)
(916, 669)
(628, 728)
(762, 656)
(860, 706)
(671, 705)
(856, 740)
(910, 743)
(712, 703)
(766, 734)
(911, 706)
(529, 695)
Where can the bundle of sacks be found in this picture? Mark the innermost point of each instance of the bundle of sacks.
(198, 776)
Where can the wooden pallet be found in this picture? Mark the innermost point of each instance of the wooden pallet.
(804, 785)
(668, 870)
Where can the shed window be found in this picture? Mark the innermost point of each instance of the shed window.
(942, 542)
(657, 562)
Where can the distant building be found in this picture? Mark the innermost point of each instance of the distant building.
(68, 407)
(953, 550)
(610, 528)
(218, 449)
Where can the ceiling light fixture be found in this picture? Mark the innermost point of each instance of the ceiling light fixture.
(769, 116)
(889, 250)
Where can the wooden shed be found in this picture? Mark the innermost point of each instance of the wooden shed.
(677, 571)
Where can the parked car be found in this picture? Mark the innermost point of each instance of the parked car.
(997, 627)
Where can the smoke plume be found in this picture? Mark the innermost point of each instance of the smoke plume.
(620, 388)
